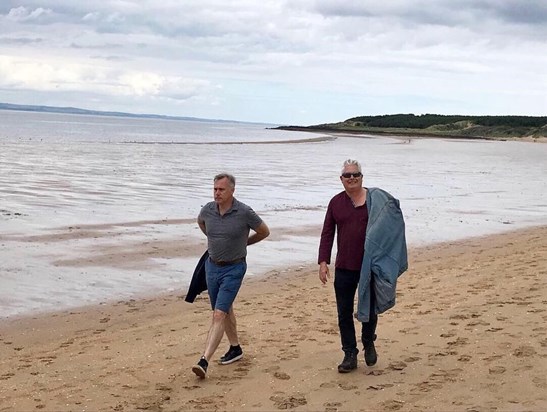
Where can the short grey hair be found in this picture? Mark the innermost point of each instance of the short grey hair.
(228, 176)
(351, 162)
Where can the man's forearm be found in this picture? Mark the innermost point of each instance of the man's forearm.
(262, 232)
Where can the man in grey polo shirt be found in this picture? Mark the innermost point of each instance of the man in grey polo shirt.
(227, 223)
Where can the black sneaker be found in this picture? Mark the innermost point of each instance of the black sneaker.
(370, 354)
(349, 363)
(234, 354)
(200, 368)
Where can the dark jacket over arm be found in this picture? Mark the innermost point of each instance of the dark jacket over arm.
(198, 283)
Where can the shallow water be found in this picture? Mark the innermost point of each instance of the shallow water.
(59, 173)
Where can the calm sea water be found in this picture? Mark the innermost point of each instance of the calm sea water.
(60, 171)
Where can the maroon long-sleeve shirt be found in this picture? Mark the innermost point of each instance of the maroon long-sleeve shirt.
(351, 223)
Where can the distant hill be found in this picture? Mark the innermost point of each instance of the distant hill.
(75, 110)
(494, 127)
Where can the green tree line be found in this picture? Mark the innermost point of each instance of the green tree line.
(423, 121)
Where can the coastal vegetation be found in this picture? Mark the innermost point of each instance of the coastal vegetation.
(485, 127)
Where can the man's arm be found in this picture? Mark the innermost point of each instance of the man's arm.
(201, 225)
(327, 237)
(261, 232)
(325, 244)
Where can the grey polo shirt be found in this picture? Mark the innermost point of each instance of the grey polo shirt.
(227, 235)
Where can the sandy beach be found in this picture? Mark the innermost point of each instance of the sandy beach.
(467, 334)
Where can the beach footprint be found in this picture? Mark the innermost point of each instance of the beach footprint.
(281, 376)
(397, 366)
(6, 376)
(496, 370)
(209, 403)
(392, 405)
(524, 351)
(332, 406)
(288, 401)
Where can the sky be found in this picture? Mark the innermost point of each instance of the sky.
(298, 62)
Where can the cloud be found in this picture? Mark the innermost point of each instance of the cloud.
(20, 40)
(75, 77)
(150, 84)
(23, 15)
(449, 12)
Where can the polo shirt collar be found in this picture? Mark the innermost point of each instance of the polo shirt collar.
(233, 208)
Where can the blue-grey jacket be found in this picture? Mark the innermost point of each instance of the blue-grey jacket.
(385, 253)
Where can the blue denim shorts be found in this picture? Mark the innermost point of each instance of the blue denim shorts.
(223, 283)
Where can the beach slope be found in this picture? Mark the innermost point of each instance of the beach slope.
(468, 333)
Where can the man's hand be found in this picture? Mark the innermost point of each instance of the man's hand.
(323, 272)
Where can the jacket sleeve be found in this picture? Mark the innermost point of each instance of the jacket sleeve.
(385, 254)
(327, 236)
(198, 283)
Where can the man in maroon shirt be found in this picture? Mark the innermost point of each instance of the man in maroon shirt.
(347, 213)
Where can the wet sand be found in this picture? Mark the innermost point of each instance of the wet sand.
(467, 334)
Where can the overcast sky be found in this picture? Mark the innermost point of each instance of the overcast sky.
(297, 62)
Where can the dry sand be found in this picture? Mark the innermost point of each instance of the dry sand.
(468, 333)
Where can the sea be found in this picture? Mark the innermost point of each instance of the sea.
(102, 208)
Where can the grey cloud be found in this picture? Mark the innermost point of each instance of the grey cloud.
(20, 40)
(399, 24)
(233, 31)
(112, 58)
(116, 58)
(232, 27)
(24, 15)
(75, 45)
(449, 12)
(523, 12)
(62, 12)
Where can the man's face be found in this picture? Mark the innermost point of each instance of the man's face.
(223, 191)
(351, 178)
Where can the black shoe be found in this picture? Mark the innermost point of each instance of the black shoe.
(349, 363)
(234, 354)
(370, 354)
(200, 368)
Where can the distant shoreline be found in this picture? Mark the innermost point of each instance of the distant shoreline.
(405, 135)
(348, 127)
(86, 112)
(309, 140)
(492, 127)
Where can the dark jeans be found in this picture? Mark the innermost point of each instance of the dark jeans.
(345, 286)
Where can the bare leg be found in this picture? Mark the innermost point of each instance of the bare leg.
(216, 331)
(230, 327)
